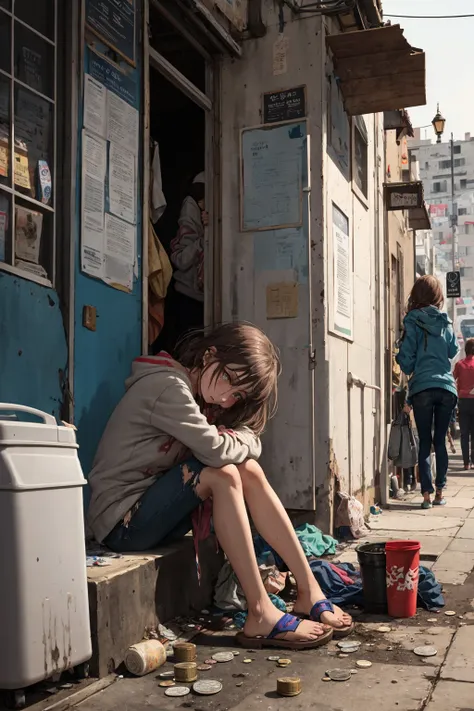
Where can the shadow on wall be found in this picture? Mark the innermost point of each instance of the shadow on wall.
(33, 346)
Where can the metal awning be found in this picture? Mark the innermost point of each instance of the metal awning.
(419, 219)
(378, 70)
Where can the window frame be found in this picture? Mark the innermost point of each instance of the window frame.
(11, 192)
(359, 125)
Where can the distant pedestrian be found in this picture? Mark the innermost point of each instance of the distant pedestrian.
(464, 375)
(426, 347)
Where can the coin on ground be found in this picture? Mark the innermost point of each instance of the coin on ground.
(273, 659)
(207, 688)
(235, 653)
(384, 628)
(210, 661)
(178, 691)
(247, 661)
(426, 651)
(222, 657)
(284, 662)
(166, 675)
(339, 674)
(166, 683)
(204, 667)
(363, 663)
(450, 613)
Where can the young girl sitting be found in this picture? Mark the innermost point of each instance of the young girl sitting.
(159, 460)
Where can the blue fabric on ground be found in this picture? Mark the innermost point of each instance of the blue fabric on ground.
(313, 542)
(339, 593)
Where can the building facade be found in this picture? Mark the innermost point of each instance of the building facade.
(105, 115)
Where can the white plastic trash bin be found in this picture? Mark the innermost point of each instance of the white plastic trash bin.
(44, 611)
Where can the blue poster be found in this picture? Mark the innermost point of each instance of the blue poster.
(113, 21)
(110, 76)
(273, 167)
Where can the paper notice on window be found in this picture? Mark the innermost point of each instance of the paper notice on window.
(122, 123)
(95, 106)
(122, 188)
(119, 252)
(94, 156)
(94, 166)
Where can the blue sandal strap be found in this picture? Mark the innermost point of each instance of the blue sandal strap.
(287, 623)
(318, 609)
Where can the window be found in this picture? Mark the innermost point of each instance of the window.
(463, 184)
(462, 210)
(467, 272)
(457, 149)
(427, 165)
(28, 102)
(459, 162)
(444, 164)
(440, 186)
(360, 156)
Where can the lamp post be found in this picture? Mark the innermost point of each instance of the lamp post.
(439, 123)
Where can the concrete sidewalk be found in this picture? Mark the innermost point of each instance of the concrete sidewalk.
(398, 680)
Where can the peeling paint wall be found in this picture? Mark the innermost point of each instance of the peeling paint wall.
(295, 453)
(33, 347)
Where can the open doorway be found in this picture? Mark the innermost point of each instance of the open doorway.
(178, 134)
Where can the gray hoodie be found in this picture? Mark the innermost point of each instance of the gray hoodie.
(156, 425)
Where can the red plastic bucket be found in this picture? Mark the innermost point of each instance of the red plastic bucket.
(403, 561)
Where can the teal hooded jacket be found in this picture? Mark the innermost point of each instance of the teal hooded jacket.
(425, 349)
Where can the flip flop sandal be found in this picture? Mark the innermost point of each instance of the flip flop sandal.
(439, 502)
(287, 623)
(327, 606)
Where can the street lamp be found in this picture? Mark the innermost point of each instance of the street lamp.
(438, 124)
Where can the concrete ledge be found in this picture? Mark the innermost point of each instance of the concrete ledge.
(139, 590)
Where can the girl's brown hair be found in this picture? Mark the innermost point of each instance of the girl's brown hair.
(255, 360)
(469, 347)
(427, 291)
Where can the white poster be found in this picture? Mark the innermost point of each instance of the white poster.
(94, 166)
(343, 298)
(119, 252)
(122, 123)
(122, 188)
(95, 106)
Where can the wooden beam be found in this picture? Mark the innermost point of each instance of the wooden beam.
(382, 86)
(378, 65)
(360, 105)
(374, 41)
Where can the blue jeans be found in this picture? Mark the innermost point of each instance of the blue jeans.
(163, 514)
(433, 407)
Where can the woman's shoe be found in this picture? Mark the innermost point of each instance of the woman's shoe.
(426, 504)
(467, 467)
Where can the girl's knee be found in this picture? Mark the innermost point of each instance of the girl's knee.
(251, 473)
(228, 475)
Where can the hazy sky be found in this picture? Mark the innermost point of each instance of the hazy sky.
(449, 49)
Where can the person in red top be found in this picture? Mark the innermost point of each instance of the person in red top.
(464, 375)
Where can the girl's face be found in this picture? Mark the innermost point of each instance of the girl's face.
(220, 389)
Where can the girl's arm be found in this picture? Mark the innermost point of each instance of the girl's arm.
(406, 356)
(453, 346)
(177, 413)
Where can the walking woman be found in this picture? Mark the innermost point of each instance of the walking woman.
(427, 345)
(464, 376)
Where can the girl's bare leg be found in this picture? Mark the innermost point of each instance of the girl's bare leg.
(233, 532)
(273, 523)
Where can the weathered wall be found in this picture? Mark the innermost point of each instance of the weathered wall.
(249, 258)
(102, 358)
(33, 349)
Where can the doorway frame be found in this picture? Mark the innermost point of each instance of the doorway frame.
(209, 102)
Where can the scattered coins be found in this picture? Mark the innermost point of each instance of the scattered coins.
(363, 663)
(207, 688)
(338, 674)
(450, 613)
(284, 662)
(222, 657)
(204, 667)
(247, 661)
(384, 628)
(166, 675)
(210, 661)
(349, 647)
(177, 691)
(273, 659)
(236, 653)
(326, 678)
(168, 683)
(426, 651)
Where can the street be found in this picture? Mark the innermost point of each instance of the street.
(397, 679)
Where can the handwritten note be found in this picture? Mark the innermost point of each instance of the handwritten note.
(282, 300)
